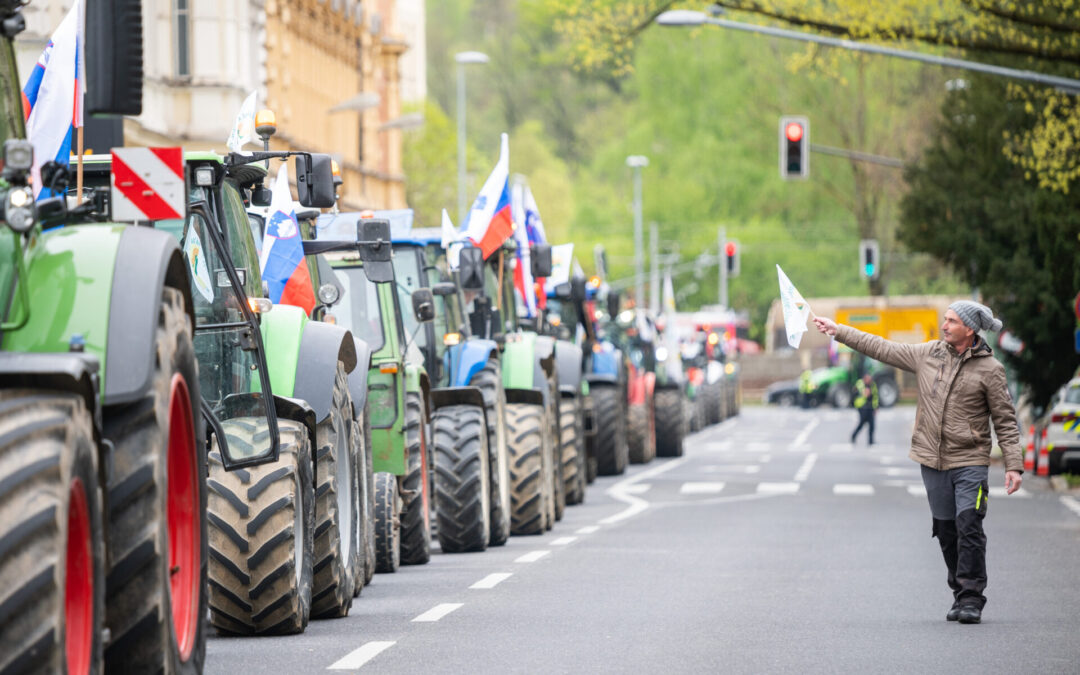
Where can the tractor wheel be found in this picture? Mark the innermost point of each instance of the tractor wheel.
(52, 560)
(337, 498)
(572, 454)
(525, 443)
(262, 524)
(489, 381)
(387, 523)
(714, 404)
(612, 451)
(670, 423)
(416, 512)
(554, 485)
(640, 434)
(156, 512)
(888, 392)
(462, 478)
(366, 481)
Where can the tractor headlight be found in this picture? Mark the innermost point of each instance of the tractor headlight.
(19, 209)
(661, 353)
(18, 155)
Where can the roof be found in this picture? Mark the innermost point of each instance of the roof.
(343, 225)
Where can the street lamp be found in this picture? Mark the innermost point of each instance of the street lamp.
(463, 59)
(636, 162)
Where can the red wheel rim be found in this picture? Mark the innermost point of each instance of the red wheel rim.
(183, 511)
(78, 583)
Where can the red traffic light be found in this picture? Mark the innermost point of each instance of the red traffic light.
(729, 248)
(794, 132)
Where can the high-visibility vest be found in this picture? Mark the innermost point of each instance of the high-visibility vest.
(862, 391)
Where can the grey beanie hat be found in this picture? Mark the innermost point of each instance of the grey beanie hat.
(975, 316)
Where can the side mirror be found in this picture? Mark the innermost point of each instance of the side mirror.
(261, 196)
(223, 278)
(315, 181)
(540, 255)
(577, 290)
(471, 268)
(444, 288)
(613, 302)
(373, 244)
(423, 305)
(562, 291)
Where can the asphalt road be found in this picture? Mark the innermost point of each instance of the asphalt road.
(773, 546)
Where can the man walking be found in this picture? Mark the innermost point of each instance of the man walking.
(866, 402)
(961, 389)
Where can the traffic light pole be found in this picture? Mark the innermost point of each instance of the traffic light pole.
(721, 256)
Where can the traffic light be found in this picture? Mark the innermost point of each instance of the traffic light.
(794, 147)
(869, 259)
(731, 258)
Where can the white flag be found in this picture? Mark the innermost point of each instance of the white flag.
(796, 309)
(244, 128)
(451, 241)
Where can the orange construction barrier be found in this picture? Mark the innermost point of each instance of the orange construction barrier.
(1043, 468)
(1029, 453)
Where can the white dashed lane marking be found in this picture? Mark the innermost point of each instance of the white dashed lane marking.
(360, 656)
(859, 489)
(701, 488)
(492, 580)
(438, 611)
(777, 488)
(588, 529)
(637, 488)
(532, 556)
(807, 466)
(563, 541)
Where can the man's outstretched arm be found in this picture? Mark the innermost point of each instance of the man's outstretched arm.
(896, 354)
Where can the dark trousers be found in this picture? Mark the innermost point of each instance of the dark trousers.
(958, 502)
(866, 417)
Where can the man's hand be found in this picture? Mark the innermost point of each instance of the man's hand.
(1012, 481)
(827, 326)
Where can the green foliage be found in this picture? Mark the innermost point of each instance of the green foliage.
(973, 208)
(429, 159)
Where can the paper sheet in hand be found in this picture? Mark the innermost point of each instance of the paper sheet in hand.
(796, 310)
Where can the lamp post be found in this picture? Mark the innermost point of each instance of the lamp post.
(636, 162)
(463, 59)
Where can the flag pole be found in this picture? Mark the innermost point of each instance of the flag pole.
(79, 166)
(498, 298)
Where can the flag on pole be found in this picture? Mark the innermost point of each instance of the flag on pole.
(52, 95)
(489, 222)
(283, 266)
(534, 229)
(451, 241)
(524, 283)
(243, 130)
(796, 309)
(668, 294)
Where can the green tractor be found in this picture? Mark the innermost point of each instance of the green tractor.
(103, 460)
(398, 386)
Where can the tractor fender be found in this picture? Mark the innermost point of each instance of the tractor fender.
(282, 332)
(529, 396)
(147, 260)
(322, 345)
(297, 410)
(470, 360)
(358, 376)
(441, 398)
(568, 363)
(416, 379)
(73, 373)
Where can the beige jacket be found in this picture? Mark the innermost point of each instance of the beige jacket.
(958, 396)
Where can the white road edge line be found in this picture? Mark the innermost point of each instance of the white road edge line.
(805, 433)
(532, 556)
(563, 541)
(619, 492)
(438, 611)
(358, 657)
(588, 529)
(807, 466)
(492, 580)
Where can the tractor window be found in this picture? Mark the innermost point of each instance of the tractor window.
(358, 309)
(240, 241)
(407, 277)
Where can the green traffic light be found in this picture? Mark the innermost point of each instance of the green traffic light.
(869, 269)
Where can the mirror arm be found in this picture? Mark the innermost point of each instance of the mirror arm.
(238, 159)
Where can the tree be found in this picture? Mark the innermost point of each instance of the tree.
(429, 161)
(973, 208)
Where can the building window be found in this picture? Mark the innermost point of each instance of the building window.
(182, 21)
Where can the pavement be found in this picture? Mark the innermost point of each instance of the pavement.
(773, 545)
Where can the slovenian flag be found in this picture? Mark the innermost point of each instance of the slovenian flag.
(534, 229)
(284, 268)
(489, 222)
(52, 95)
(524, 283)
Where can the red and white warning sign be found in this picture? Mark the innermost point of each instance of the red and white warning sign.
(148, 184)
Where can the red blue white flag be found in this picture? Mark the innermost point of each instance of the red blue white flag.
(52, 95)
(284, 268)
(489, 222)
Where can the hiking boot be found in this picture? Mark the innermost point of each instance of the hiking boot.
(969, 614)
(954, 613)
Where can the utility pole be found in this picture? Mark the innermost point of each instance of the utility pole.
(636, 162)
(463, 59)
(721, 259)
(654, 264)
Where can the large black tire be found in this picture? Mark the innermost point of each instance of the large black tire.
(371, 559)
(50, 523)
(714, 404)
(589, 442)
(572, 455)
(525, 442)
(612, 451)
(640, 434)
(261, 566)
(489, 381)
(670, 423)
(462, 478)
(552, 464)
(337, 506)
(888, 392)
(416, 511)
(387, 523)
(156, 541)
